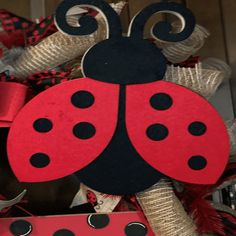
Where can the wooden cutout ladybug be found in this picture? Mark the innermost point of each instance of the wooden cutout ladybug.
(121, 128)
(91, 196)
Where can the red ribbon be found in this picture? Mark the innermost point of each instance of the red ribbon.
(191, 62)
(12, 99)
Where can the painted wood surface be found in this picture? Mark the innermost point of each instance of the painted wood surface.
(229, 19)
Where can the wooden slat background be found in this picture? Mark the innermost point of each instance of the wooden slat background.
(22, 9)
(229, 18)
(212, 17)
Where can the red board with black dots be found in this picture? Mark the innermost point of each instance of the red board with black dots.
(116, 224)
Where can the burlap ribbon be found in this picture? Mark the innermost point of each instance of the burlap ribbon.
(54, 51)
(231, 127)
(58, 48)
(203, 81)
(213, 63)
(165, 212)
(181, 51)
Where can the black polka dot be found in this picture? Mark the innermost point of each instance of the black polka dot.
(39, 160)
(82, 99)
(42, 125)
(84, 130)
(63, 232)
(98, 221)
(20, 227)
(136, 229)
(197, 162)
(197, 128)
(161, 101)
(157, 132)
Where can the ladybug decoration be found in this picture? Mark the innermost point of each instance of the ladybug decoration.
(121, 128)
(92, 199)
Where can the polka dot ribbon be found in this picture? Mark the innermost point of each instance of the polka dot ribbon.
(11, 22)
(40, 31)
(18, 31)
(40, 81)
(14, 29)
(43, 80)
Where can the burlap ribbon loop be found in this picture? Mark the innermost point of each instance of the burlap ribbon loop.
(203, 81)
(181, 51)
(59, 48)
(165, 212)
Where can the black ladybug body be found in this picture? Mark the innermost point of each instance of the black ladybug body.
(124, 61)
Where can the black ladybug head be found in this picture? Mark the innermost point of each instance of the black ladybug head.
(125, 60)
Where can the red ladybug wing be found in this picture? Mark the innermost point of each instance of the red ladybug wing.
(62, 129)
(177, 132)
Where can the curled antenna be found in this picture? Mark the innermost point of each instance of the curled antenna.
(88, 24)
(162, 30)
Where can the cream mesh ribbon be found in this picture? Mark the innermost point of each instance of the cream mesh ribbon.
(51, 52)
(231, 127)
(55, 50)
(9, 56)
(165, 212)
(181, 51)
(203, 81)
(9, 203)
(217, 64)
